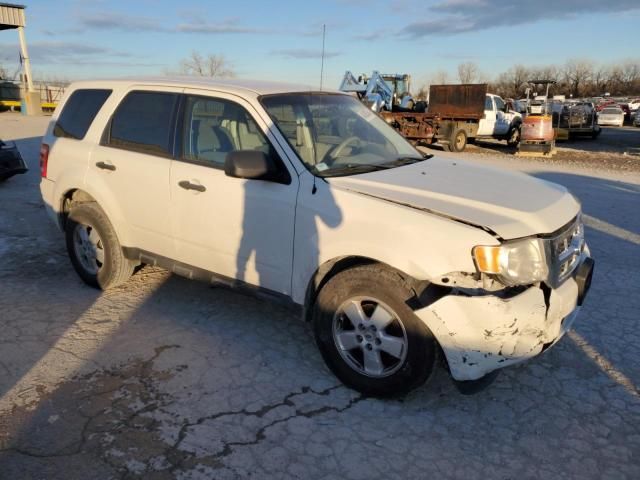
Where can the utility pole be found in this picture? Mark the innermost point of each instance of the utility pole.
(324, 30)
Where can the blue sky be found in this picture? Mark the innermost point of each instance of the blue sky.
(74, 39)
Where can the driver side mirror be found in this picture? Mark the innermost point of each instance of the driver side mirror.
(253, 165)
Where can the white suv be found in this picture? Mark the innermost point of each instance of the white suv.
(394, 256)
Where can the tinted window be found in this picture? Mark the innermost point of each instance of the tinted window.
(78, 113)
(499, 103)
(213, 128)
(143, 123)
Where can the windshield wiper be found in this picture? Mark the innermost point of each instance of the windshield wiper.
(352, 167)
(409, 160)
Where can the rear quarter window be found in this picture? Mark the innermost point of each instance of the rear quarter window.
(78, 113)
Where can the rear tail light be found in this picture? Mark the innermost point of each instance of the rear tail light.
(44, 159)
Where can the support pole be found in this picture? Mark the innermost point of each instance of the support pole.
(25, 57)
(31, 101)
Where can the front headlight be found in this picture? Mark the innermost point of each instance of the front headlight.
(520, 262)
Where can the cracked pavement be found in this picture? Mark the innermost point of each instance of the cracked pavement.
(169, 378)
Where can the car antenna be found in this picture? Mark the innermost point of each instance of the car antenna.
(324, 31)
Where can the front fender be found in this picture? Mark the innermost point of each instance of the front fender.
(334, 223)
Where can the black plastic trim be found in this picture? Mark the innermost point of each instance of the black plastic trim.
(200, 274)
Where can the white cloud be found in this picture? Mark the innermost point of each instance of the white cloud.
(451, 17)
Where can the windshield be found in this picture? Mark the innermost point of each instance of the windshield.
(337, 135)
(612, 111)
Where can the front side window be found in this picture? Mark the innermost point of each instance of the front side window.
(215, 127)
(143, 123)
(337, 135)
(78, 113)
(499, 104)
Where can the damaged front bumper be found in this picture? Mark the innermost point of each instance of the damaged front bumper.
(482, 333)
(11, 162)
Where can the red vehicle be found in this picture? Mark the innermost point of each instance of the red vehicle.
(605, 104)
(627, 111)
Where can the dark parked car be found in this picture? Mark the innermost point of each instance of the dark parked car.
(11, 162)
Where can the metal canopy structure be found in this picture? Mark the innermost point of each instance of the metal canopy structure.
(12, 17)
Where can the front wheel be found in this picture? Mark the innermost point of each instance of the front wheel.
(513, 138)
(368, 336)
(94, 249)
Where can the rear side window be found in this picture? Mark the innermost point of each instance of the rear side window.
(488, 103)
(143, 123)
(78, 113)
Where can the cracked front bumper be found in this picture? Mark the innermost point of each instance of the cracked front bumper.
(480, 334)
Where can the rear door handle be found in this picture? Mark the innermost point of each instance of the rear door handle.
(187, 185)
(106, 166)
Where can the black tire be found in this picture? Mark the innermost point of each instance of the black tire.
(420, 349)
(420, 107)
(513, 137)
(115, 268)
(458, 141)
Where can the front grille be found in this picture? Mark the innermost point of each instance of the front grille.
(564, 250)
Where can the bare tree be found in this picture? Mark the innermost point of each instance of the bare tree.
(4, 74)
(441, 77)
(518, 76)
(206, 66)
(576, 77)
(468, 72)
(577, 73)
(601, 80)
(422, 93)
(630, 75)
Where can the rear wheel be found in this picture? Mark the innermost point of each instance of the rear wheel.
(458, 141)
(368, 336)
(94, 249)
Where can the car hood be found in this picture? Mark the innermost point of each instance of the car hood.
(511, 204)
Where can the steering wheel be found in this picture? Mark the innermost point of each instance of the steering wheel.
(333, 155)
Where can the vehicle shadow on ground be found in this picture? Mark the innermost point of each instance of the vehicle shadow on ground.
(31, 249)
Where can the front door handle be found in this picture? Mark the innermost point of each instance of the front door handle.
(187, 185)
(106, 166)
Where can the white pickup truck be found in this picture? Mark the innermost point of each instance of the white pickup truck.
(456, 115)
(498, 121)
